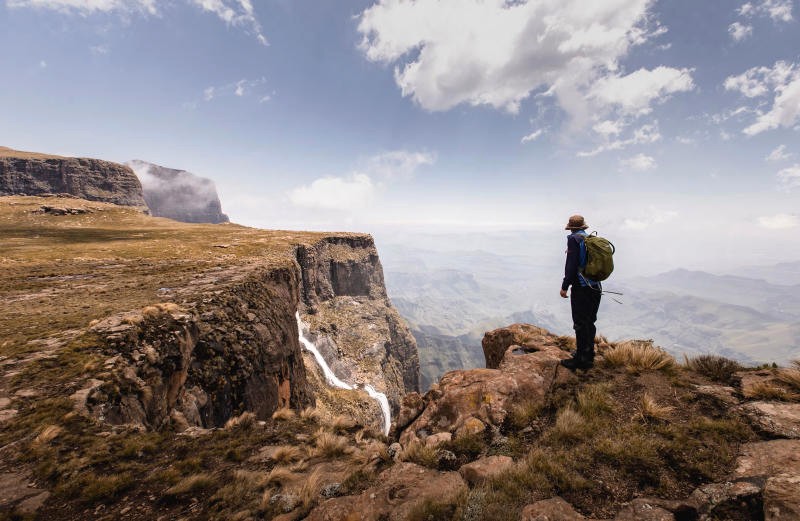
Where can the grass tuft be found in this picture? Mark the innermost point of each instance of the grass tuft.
(287, 454)
(193, 483)
(790, 377)
(767, 391)
(284, 414)
(717, 368)
(650, 409)
(417, 452)
(639, 355)
(569, 426)
(595, 400)
(329, 445)
(244, 421)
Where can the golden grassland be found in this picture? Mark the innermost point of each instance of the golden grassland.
(58, 273)
(20, 154)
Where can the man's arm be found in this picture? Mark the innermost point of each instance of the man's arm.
(571, 266)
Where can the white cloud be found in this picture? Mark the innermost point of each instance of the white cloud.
(644, 135)
(635, 93)
(781, 80)
(781, 221)
(240, 89)
(779, 154)
(740, 31)
(533, 136)
(42, 64)
(790, 177)
(360, 188)
(608, 127)
(639, 163)
(238, 13)
(778, 10)
(502, 51)
(335, 193)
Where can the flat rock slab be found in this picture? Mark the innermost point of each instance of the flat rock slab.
(14, 487)
(485, 468)
(397, 492)
(553, 509)
(722, 394)
(778, 419)
(768, 458)
(782, 498)
(643, 510)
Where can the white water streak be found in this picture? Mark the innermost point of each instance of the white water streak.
(334, 381)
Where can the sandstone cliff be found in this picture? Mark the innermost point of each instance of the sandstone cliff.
(26, 173)
(178, 194)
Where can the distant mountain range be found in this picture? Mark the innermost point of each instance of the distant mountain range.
(451, 297)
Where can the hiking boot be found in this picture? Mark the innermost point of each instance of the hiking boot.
(577, 363)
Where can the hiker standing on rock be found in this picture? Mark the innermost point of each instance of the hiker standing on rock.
(585, 296)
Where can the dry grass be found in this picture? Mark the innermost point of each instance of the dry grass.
(341, 423)
(329, 445)
(569, 425)
(308, 491)
(790, 376)
(417, 452)
(284, 414)
(287, 454)
(594, 400)
(47, 434)
(244, 421)
(767, 391)
(650, 409)
(193, 483)
(639, 355)
(521, 414)
(310, 414)
(717, 368)
(280, 476)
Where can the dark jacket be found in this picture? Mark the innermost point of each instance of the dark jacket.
(576, 259)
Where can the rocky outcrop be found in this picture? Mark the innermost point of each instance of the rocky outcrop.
(178, 194)
(234, 351)
(399, 491)
(526, 360)
(24, 173)
(352, 322)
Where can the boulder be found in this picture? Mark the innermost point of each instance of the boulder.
(466, 401)
(483, 469)
(496, 342)
(553, 509)
(775, 419)
(722, 395)
(782, 498)
(435, 440)
(398, 490)
(716, 500)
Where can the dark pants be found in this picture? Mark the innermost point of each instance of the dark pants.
(585, 302)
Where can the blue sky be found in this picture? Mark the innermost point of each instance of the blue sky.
(675, 119)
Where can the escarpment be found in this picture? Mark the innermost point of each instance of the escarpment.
(26, 173)
(351, 319)
(173, 325)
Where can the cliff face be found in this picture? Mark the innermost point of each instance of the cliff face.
(189, 325)
(23, 173)
(178, 194)
(352, 321)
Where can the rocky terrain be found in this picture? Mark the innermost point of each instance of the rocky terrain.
(28, 173)
(153, 369)
(178, 194)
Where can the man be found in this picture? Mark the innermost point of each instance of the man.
(585, 296)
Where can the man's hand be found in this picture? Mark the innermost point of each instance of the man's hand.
(564, 293)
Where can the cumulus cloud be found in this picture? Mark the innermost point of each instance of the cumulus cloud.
(504, 51)
(237, 13)
(644, 135)
(335, 193)
(740, 31)
(777, 10)
(361, 187)
(790, 177)
(638, 163)
(781, 221)
(635, 93)
(779, 154)
(533, 136)
(782, 82)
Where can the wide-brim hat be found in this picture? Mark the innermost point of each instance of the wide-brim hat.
(576, 222)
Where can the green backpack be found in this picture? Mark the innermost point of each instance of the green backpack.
(599, 257)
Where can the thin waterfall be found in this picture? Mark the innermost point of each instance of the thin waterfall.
(334, 381)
